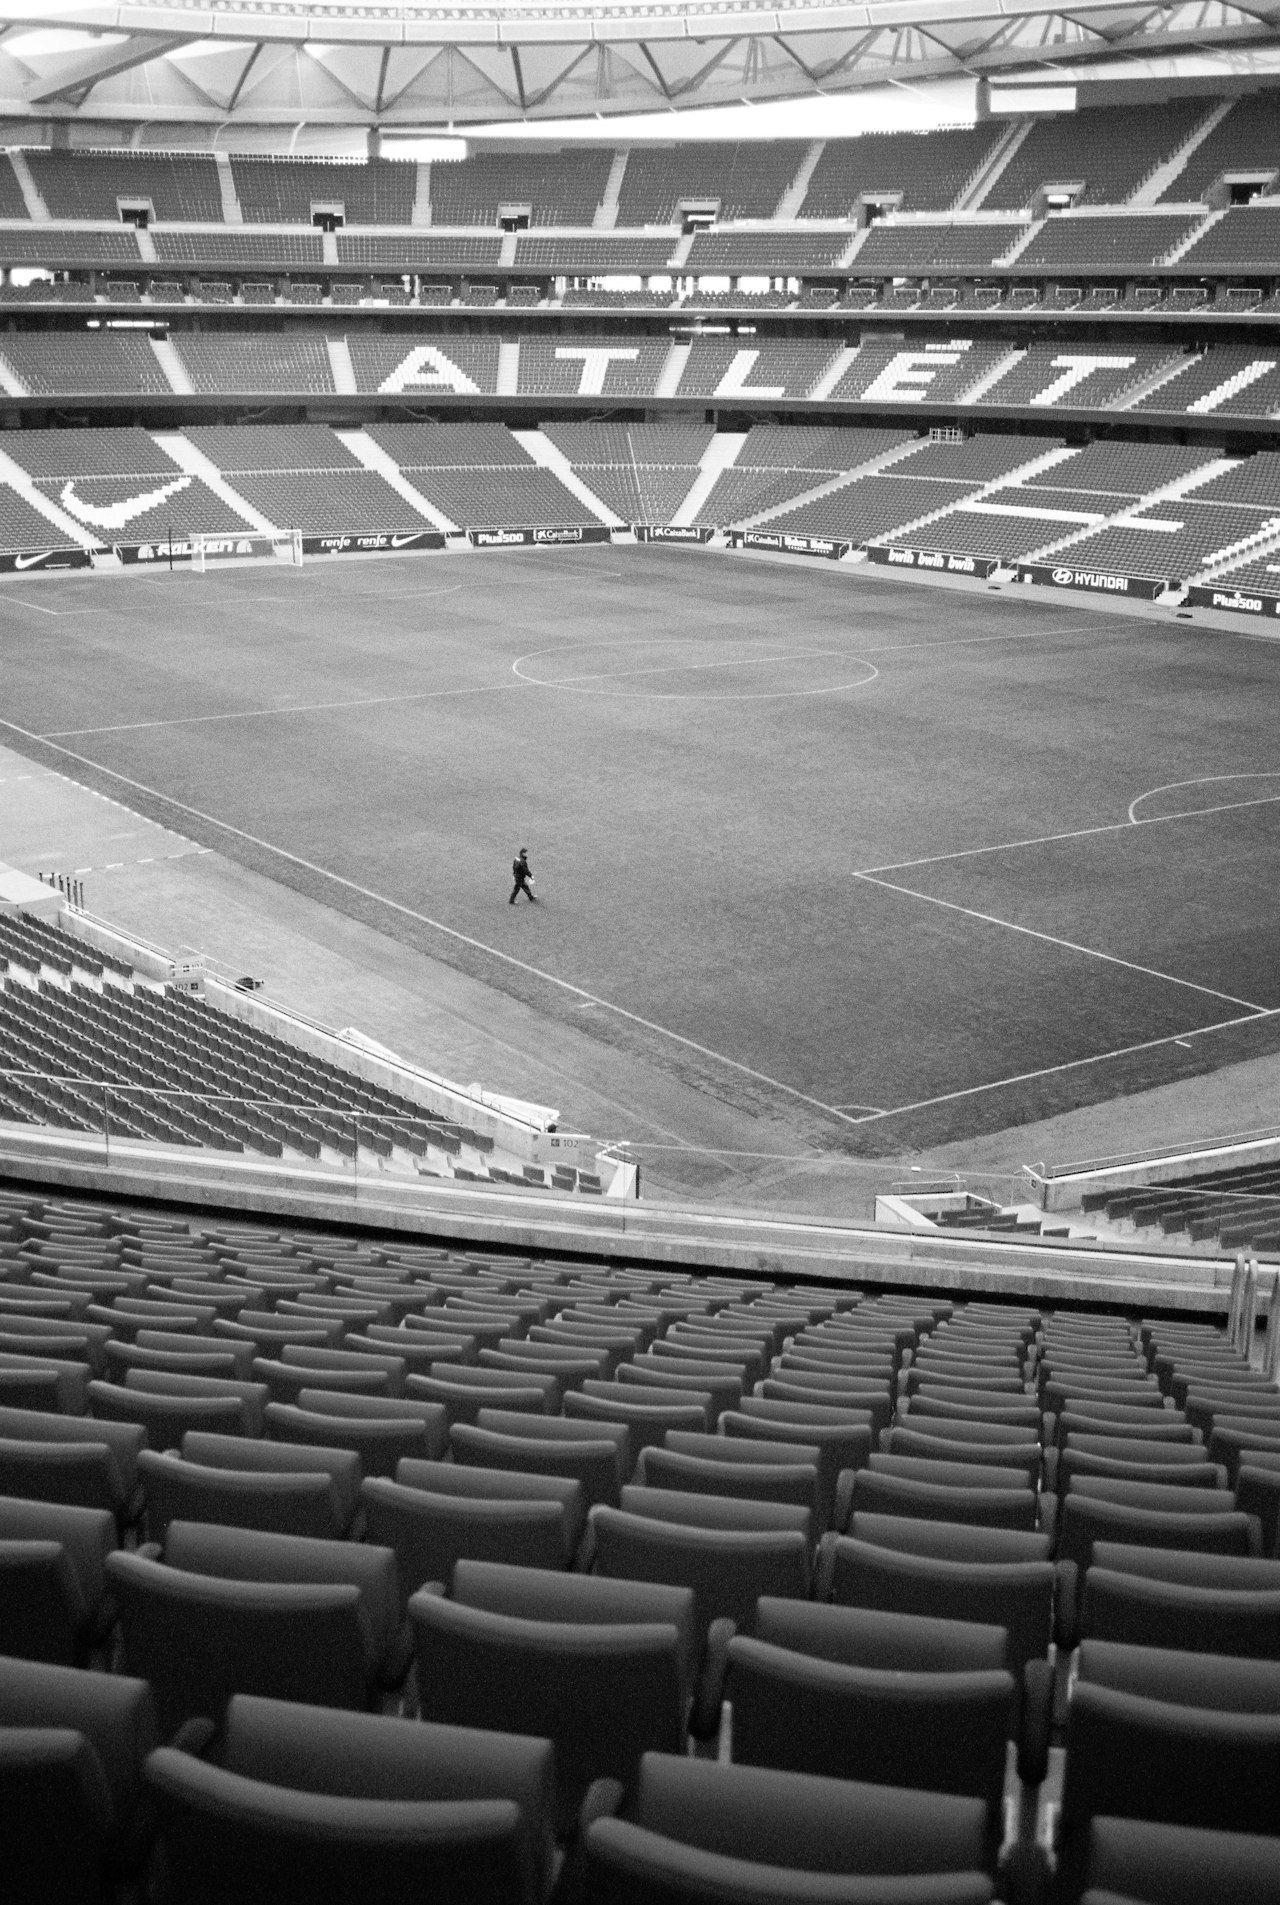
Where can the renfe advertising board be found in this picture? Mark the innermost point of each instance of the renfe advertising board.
(389, 540)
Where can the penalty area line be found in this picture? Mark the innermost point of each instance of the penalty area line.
(1078, 1064)
(424, 919)
(1128, 825)
(1068, 945)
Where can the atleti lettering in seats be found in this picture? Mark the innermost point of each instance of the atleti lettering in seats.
(426, 367)
(908, 375)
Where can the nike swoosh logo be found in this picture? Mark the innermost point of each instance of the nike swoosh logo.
(116, 515)
(402, 542)
(29, 562)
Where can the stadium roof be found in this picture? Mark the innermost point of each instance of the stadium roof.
(421, 65)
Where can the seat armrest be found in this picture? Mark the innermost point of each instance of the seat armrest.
(603, 1801)
(1049, 1516)
(1065, 1609)
(704, 1719)
(824, 1568)
(195, 1736)
(398, 1659)
(1035, 1721)
(573, 1884)
(843, 1506)
(1025, 1875)
(149, 1551)
(1051, 1456)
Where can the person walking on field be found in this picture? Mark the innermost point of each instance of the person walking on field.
(523, 877)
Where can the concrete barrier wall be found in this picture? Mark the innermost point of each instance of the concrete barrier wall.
(687, 1235)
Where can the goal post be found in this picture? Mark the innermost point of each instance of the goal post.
(284, 548)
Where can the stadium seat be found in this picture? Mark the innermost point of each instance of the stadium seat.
(340, 1466)
(599, 1464)
(602, 1668)
(198, 1639)
(1164, 1753)
(996, 1506)
(54, 1603)
(252, 1396)
(1086, 1520)
(82, 1473)
(1016, 1595)
(692, 1510)
(228, 1836)
(647, 1423)
(1178, 1865)
(166, 1418)
(463, 1392)
(805, 1700)
(726, 1569)
(54, 1792)
(300, 1502)
(363, 1756)
(429, 1532)
(1197, 1603)
(696, 1831)
(669, 1469)
(379, 1441)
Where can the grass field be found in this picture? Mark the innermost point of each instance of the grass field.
(905, 864)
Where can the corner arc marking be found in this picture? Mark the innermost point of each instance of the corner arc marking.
(1203, 780)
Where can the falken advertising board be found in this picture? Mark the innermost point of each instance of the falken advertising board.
(183, 548)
